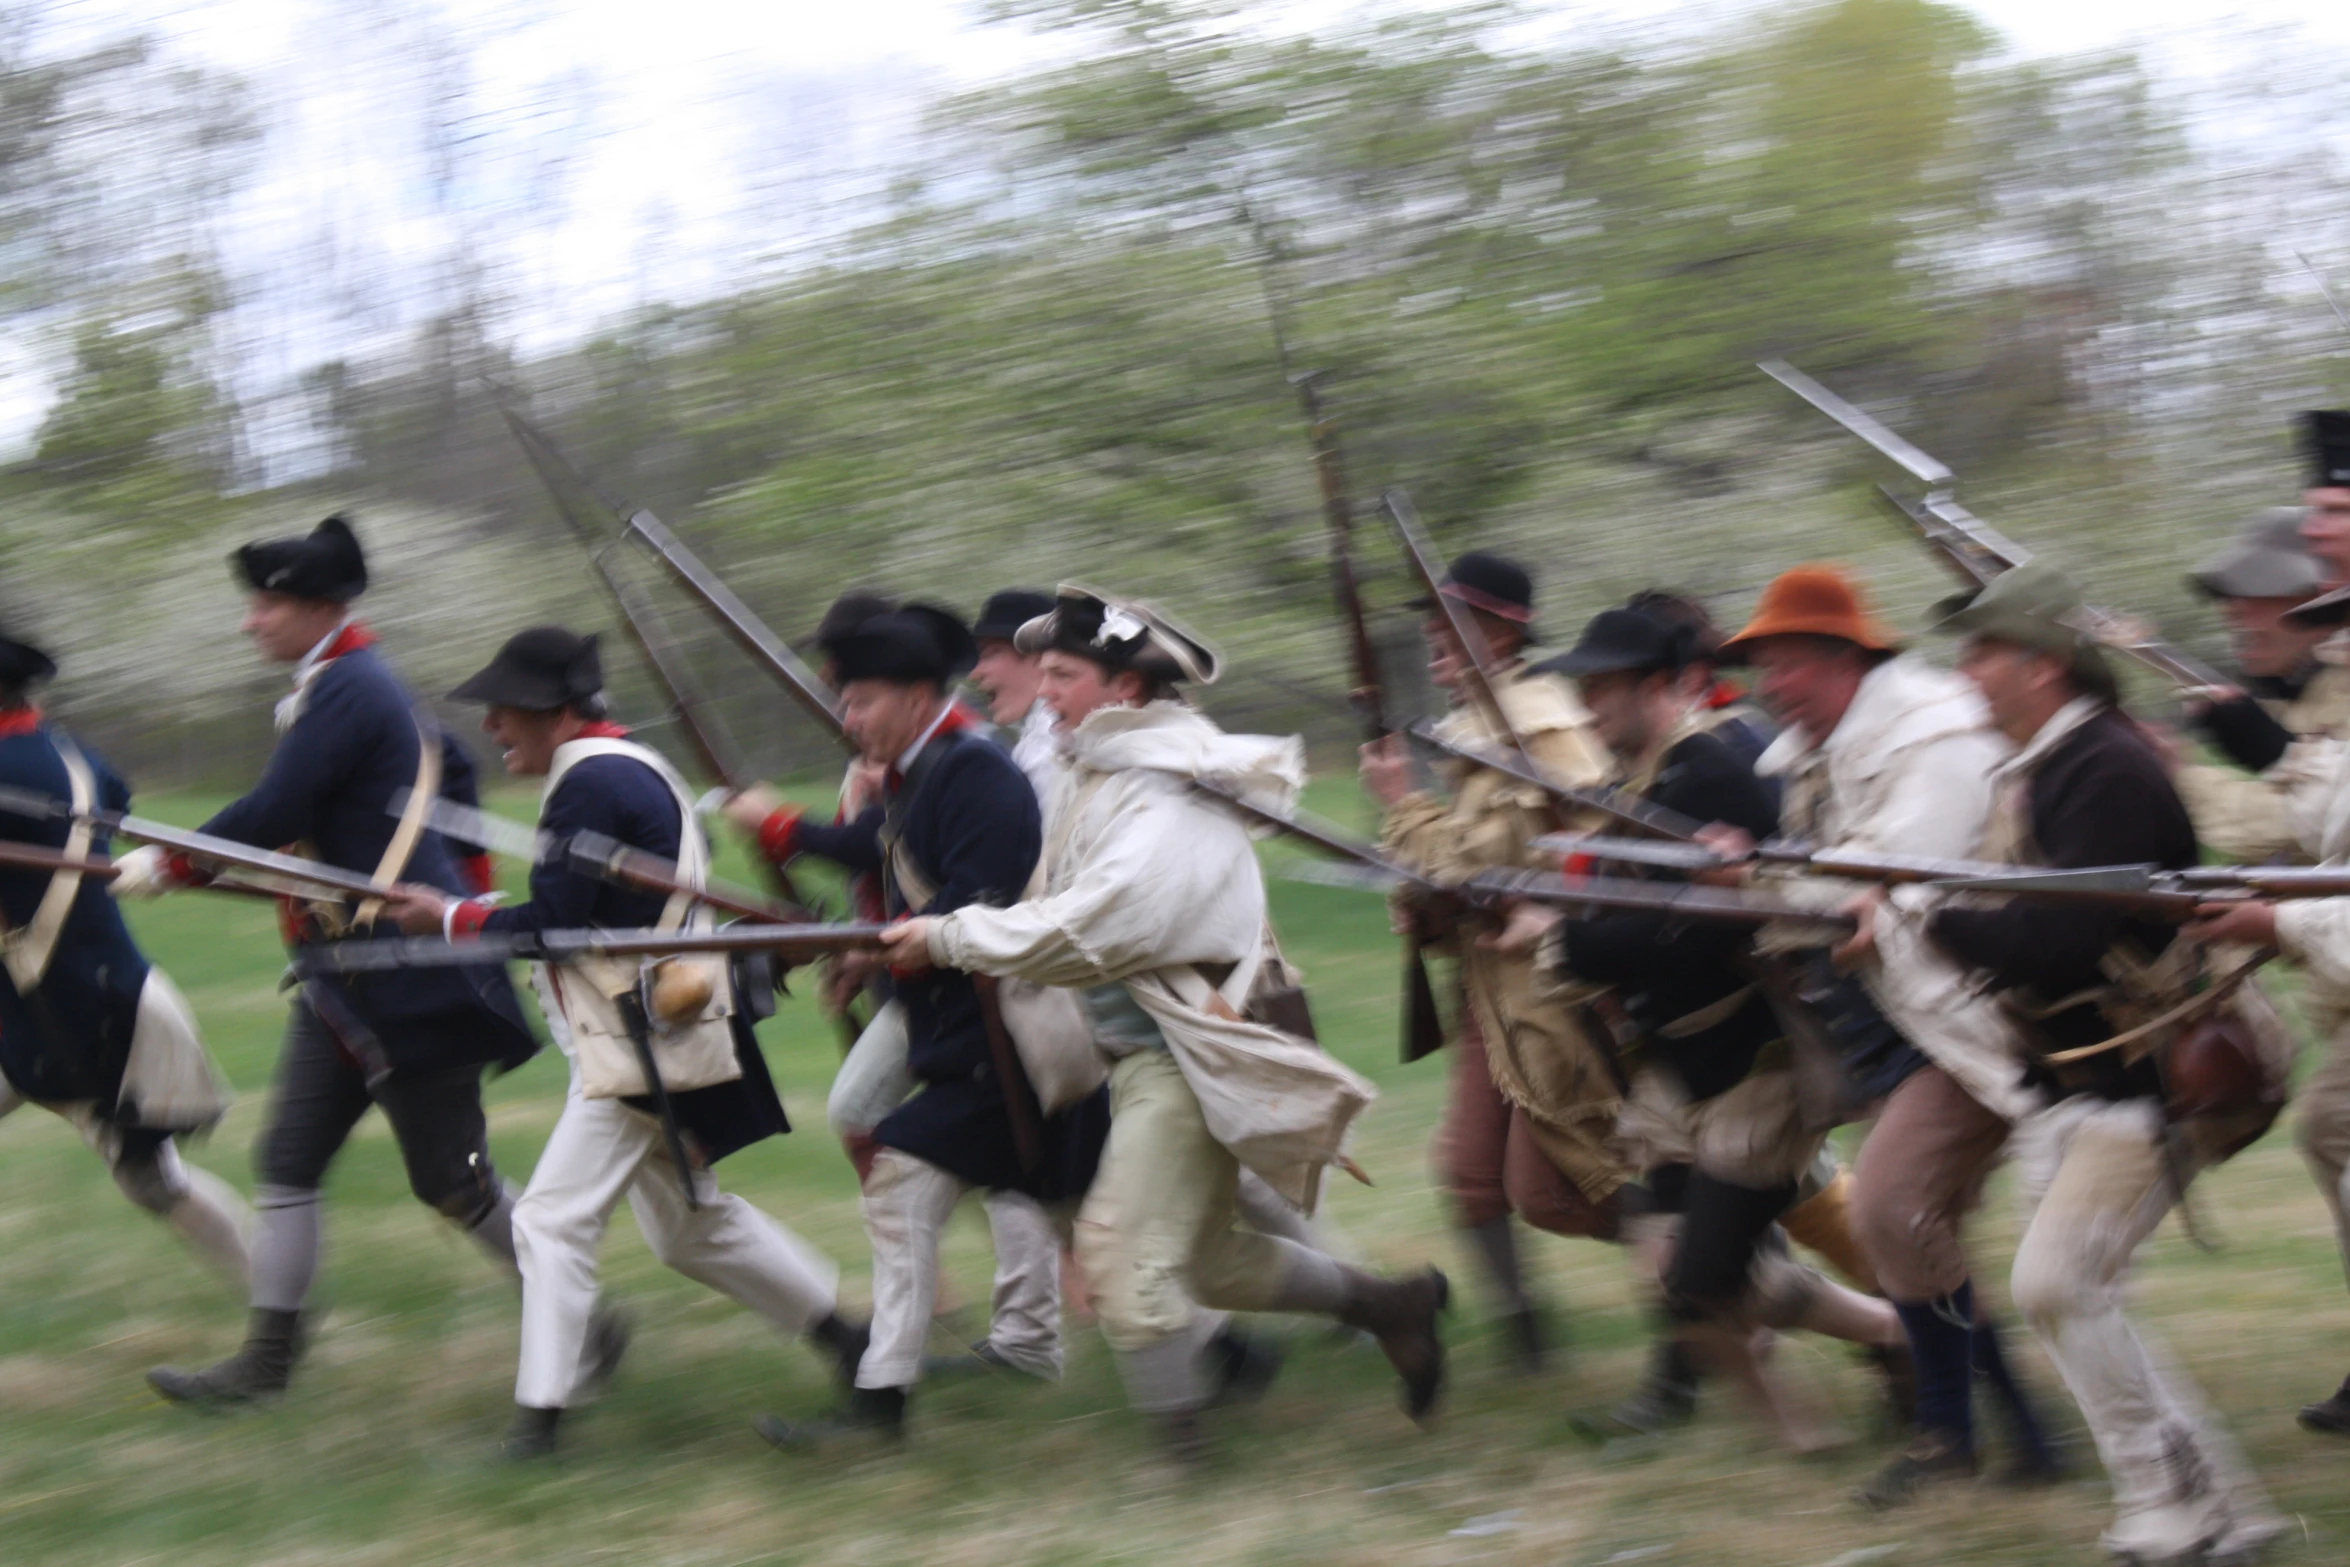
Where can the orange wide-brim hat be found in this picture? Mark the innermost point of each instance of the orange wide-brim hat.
(1812, 601)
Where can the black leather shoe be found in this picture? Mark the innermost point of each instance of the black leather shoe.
(531, 1436)
(871, 1412)
(2331, 1417)
(258, 1371)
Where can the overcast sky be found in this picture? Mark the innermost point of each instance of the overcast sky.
(659, 148)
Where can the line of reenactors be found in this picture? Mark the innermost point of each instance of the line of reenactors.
(1081, 1011)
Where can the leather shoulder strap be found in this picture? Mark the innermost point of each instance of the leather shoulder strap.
(693, 846)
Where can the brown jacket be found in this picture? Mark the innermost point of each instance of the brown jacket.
(1542, 1057)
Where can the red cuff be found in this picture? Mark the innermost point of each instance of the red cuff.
(1578, 865)
(184, 872)
(467, 917)
(777, 832)
(479, 874)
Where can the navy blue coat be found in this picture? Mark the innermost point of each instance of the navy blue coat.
(972, 825)
(70, 1038)
(327, 787)
(629, 803)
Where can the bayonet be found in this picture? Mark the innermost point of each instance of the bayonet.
(1917, 464)
(595, 853)
(313, 876)
(1975, 550)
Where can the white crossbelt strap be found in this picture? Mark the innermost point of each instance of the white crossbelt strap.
(30, 947)
(693, 846)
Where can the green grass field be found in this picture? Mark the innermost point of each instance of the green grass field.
(380, 1454)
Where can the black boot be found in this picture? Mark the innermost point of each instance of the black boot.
(2332, 1416)
(1401, 1314)
(1898, 1372)
(609, 1332)
(257, 1371)
(1528, 1342)
(843, 1343)
(1240, 1368)
(870, 1412)
(1665, 1398)
(531, 1436)
(1185, 1441)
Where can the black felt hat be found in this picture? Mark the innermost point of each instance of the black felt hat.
(541, 669)
(913, 643)
(1622, 639)
(21, 663)
(1489, 582)
(2326, 434)
(1120, 634)
(324, 564)
(1002, 616)
(845, 614)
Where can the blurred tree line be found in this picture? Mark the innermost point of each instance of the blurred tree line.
(1533, 277)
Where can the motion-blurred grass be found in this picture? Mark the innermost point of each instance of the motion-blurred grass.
(380, 1454)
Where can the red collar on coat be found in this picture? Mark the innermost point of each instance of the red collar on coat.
(19, 721)
(350, 639)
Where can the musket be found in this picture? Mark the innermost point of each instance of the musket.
(1489, 891)
(1369, 693)
(1621, 804)
(703, 726)
(1338, 512)
(312, 875)
(1847, 864)
(2158, 893)
(1419, 555)
(1978, 554)
(33, 857)
(1681, 900)
(1513, 758)
(770, 651)
(1975, 550)
(792, 943)
(597, 854)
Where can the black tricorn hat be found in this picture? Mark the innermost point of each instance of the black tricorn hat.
(915, 643)
(21, 663)
(324, 563)
(1622, 639)
(1489, 582)
(845, 614)
(2326, 434)
(1120, 634)
(1002, 616)
(540, 670)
